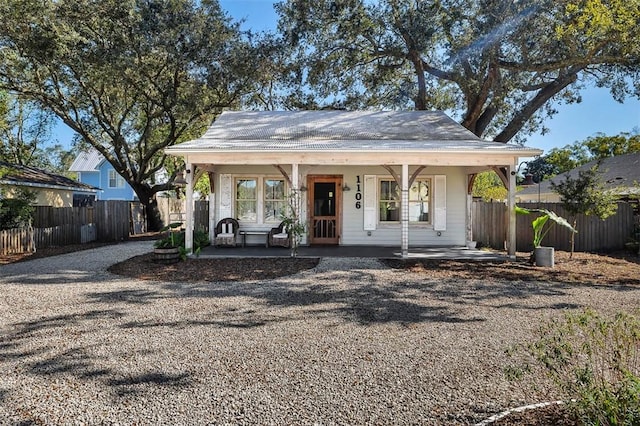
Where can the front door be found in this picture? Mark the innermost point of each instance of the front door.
(325, 196)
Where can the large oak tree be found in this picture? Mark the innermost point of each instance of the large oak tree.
(494, 64)
(130, 77)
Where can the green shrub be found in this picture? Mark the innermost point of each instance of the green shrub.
(595, 361)
(18, 211)
(176, 238)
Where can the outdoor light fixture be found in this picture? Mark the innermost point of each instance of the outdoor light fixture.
(303, 188)
(346, 188)
(180, 180)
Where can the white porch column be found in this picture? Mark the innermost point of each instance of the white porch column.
(295, 177)
(212, 206)
(511, 206)
(295, 183)
(404, 205)
(188, 237)
(469, 216)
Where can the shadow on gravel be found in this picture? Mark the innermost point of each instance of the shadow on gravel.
(46, 347)
(131, 385)
(357, 295)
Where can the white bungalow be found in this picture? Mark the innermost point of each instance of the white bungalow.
(363, 178)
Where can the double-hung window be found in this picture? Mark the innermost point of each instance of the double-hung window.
(389, 200)
(247, 200)
(115, 180)
(260, 199)
(274, 202)
(419, 201)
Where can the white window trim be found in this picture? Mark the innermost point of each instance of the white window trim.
(120, 183)
(394, 224)
(260, 197)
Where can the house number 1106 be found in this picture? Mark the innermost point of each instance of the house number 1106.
(358, 193)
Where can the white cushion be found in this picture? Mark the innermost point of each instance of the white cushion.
(282, 235)
(224, 235)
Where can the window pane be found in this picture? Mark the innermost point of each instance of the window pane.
(246, 189)
(419, 191)
(274, 211)
(389, 201)
(246, 211)
(273, 189)
(419, 201)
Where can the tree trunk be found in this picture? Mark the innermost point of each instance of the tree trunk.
(148, 200)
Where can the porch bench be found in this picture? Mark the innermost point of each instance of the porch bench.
(246, 232)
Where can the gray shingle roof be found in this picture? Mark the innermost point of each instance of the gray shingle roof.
(338, 131)
(34, 177)
(619, 172)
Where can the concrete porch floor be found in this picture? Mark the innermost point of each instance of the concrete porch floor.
(462, 253)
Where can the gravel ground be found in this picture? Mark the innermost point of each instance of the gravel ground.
(348, 342)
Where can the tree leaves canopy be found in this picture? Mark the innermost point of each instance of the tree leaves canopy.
(495, 64)
(130, 77)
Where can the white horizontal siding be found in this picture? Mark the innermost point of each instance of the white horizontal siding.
(353, 232)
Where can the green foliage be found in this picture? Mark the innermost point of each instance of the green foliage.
(292, 223)
(561, 160)
(586, 195)
(602, 146)
(567, 158)
(592, 359)
(173, 238)
(489, 186)
(538, 224)
(25, 133)
(497, 64)
(129, 77)
(176, 238)
(17, 211)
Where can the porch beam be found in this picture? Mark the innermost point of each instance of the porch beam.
(470, 182)
(435, 159)
(286, 176)
(502, 174)
(415, 175)
(393, 173)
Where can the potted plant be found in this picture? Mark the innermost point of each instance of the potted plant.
(167, 249)
(543, 256)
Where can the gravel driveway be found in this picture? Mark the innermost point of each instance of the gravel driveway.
(349, 342)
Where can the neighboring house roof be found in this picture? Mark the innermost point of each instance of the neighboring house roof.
(87, 161)
(620, 173)
(37, 178)
(340, 131)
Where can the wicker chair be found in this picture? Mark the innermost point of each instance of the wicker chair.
(226, 232)
(279, 237)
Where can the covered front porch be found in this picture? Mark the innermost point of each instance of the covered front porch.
(353, 179)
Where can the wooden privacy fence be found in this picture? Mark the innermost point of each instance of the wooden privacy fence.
(174, 210)
(489, 221)
(57, 226)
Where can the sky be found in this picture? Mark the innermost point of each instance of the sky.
(597, 113)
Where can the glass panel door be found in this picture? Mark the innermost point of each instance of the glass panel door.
(326, 194)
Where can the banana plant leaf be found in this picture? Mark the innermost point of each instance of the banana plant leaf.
(538, 224)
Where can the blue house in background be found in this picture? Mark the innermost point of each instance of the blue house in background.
(93, 169)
